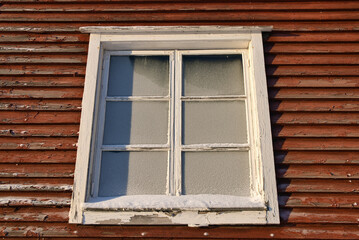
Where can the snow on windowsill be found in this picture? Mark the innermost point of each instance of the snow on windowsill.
(184, 202)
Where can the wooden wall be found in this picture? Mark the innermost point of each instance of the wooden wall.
(312, 59)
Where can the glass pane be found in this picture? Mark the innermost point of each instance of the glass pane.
(133, 173)
(138, 76)
(224, 173)
(214, 122)
(136, 123)
(210, 75)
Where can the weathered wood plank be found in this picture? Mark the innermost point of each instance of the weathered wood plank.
(37, 170)
(41, 81)
(313, 81)
(17, 117)
(42, 59)
(32, 214)
(37, 156)
(311, 48)
(341, 216)
(43, 48)
(315, 144)
(313, 59)
(317, 157)
(318, 186)
(39, 130)
(40, 104)
(47, 201)
(36, 143)
(319, 171)
(313, 131)
(74, 70)
(314, 105)
(49, 37)
(41, 92)
(35, 187)
(314, 93)
(312, 70)
(311, 36)
(320, 200)
(315, 118)
(52, 184)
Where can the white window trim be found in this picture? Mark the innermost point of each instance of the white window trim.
(248, 41)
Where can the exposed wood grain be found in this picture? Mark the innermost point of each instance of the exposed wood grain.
(315, 59)
(299, 105)
(33, 214)
(312, 70)
(42, 48)
(32, 37)
(13, 201)
(41, 93)
(316, 144)
(38, 184)
(37, 156)
(312, 36)
(39, 130)
(319, 171)
(36, 170)
(311, 47)
(315, 118)
(340, 216)
(317, 157)
(313, 81)
(17, 117)
(314, 93)
(36, 143)
(321, 200)
(40, 104)
(35, 187)
(314, 131)
(42, 59)
(318, 186)
(74, 70)
(41, 81)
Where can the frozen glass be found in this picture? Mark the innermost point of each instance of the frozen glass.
(138, 76)
(214, 122)
(224, 173)
(136, 123)
(133, 173)
(210, 75)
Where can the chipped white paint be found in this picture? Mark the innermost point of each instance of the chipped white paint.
(247, 41)
(35, 187)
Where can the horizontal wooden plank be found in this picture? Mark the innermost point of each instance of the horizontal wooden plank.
(300, 231)
(313, 81)
(48, 201)
(41, 92)
(42, 59)
(32, 214)
(315, 144)
(299, 105)
(37, 170)
(43, 48)
(340, 216)
(314, 93)
(40, 104)
(311, 131)
(39, 130)
(317, 157)
(319, 171)
(317, 186)
(89, 6)
(35, 187)
(41, 81)
(74, 70)
(313, 59)
(314, 118)
(37, 143)
(49, 37)
(311, 48)
(312, 70)
(17, 117)
(189, 15)
(320, 200)
(311, 36)
(37, 156)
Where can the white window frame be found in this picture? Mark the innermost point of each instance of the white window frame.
(246, 41)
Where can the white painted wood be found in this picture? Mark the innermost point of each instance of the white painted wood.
(171, 189)
(86, 127)
(216, 147)
(178, 124)
(136, 98)
(213, 98)
(137, 147)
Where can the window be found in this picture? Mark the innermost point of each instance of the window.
(175, 128)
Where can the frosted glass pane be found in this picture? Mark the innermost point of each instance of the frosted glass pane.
(138, 76)
(136, 123)
(212, 75)
(214, 122)
(133, 173)
(216, 173)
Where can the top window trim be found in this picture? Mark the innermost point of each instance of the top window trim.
(177, 38)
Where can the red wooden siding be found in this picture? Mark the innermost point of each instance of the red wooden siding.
(312, 64)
